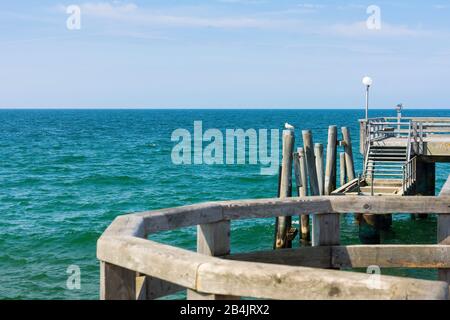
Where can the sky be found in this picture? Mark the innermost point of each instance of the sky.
(224, 54)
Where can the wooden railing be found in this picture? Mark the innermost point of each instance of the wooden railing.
(133, 267)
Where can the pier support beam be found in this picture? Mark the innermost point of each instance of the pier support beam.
(426, 181)
(372, 226)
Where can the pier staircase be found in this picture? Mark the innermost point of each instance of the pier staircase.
(389, 169)
(384, 170)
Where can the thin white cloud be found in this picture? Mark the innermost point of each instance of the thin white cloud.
(108, 9)
(359, 29)
(286, 20)
(441, 6)
(130, 12)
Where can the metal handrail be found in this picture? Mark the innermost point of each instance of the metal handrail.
(409, 144)
(409, 174)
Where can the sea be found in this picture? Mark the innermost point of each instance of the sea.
(66, 174)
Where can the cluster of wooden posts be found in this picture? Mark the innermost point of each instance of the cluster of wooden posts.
(308, 165)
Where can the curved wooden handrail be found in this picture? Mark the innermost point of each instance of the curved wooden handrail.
(124, 244)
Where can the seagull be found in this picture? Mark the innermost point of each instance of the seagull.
(289, 126)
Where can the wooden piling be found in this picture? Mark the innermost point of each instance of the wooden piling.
(117, 283)
(318, 154)
(347, 142)
(297, 174)
(284, 223)
(325, 227)
(305, 235)
(303, 172)
(426, 181)
(310, 162)
(330, 169)
(342, 169)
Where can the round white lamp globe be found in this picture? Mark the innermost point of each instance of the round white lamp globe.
(367, 81)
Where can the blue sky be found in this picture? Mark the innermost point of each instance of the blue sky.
(224, 53)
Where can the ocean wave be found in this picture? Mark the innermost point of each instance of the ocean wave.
(109, 180)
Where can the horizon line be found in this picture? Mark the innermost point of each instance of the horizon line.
(212, 108)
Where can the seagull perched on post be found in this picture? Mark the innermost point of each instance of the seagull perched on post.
(289, 126)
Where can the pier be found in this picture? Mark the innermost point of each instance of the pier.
(398, 177)
(400, 156)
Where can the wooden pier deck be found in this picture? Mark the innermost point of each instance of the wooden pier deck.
(435, 146)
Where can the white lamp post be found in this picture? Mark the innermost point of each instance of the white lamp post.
(367, 81)
(399, 109)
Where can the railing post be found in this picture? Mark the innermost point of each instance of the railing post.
(117, 283)
(213, 240)
(443, 232)
(326, 231)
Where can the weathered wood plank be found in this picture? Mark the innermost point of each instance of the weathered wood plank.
(284, 282)
(443, 231)
(179, 217)
(263, 208)
(335, 204)
(314, 257)
(355, 256)
(129, 225)
(168, 219)
(391, 256)
(147, 257)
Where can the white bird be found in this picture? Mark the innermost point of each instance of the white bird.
(289, 126)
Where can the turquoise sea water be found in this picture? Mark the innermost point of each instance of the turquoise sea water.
(65, 175)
